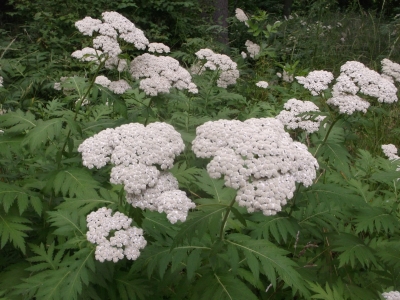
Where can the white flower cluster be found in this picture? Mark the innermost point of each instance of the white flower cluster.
(256, 157)
(214, 61)
(393, 295)
(134, 150)
(158, 47)
(241, 16)
(356, 77)
(316, 81)
(285, 76)
(252, 48)
(87, 54)
(119, 86)
(391, 69)
(126, 242)
(1, 81)
(161, 74)
(116, 62)
(262, 84)
(390, 151)
(290, 117)
(102, 80)
(370, 82)
(114, 26)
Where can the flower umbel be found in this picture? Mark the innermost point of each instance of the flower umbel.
(126, 242)
(256, 157)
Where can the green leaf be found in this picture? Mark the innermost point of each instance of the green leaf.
(17, 122)
(185, 176)
(43, 132)
(75, 182)
(9, 193)
(10, 146)
(214, 187)
(270, 258)
(353, 249)
(12, 230)
(222, 287)
(68, 223)
(375, 219)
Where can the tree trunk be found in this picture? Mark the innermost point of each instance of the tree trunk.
(287, 8)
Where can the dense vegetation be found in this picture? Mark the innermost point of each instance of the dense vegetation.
(82, 134)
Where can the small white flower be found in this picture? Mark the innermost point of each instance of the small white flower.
(119, 87)
(241, 16)
(252, 48)
(243, 54)
(161, 73)
(394, 295)
(316, 81)
(290, 117)
(102, 80)
(126, 241)
(1, 81)
(158, 47)
(390, 151)
(262, 84)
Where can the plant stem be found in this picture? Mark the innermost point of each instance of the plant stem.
(326, 136)
(228, 211)
(148, 108)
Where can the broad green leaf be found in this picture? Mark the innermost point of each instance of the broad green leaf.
(43, 132)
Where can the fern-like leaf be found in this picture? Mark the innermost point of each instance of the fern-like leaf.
(222, 287)
(9, 193)
(261, 254)
(68, 223)
(75, 182)
(353, 249)
(17, 122)
(43, 132)
(12, 228)
(375, 219)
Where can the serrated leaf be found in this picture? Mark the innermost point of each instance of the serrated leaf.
(10, 146)
(43, 132)
(75, 182)
(353, 249)
(193, 263)
(12, 229)
(374, 219)
(271, 258)
(185, 175)
(68, 223)
(9, 193)
(214, 187)
(222, 287)
(17, 122)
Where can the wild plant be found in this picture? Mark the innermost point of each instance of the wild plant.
(143, 180)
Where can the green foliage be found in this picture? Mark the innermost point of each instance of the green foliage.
(335, 239)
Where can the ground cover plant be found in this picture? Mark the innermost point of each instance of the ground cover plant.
(133, 170)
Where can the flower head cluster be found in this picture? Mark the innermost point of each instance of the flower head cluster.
(229, 73)
(285, 76)
(390, 151)
(316, 81)
(393, 295)
(262, 84)
(126, 242)
(391, 69)
(1, 81)
(87, 54)
(158, 47)
(370, 82)
(256, 157)
(241, 16)
(252, 48)
(356, 77)
(294, 115)
(161, 74)
(114, 26)
(134, 149)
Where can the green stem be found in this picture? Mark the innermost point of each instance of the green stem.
(326, 137)
(78, 106)
(148, 114)
(228, 211)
